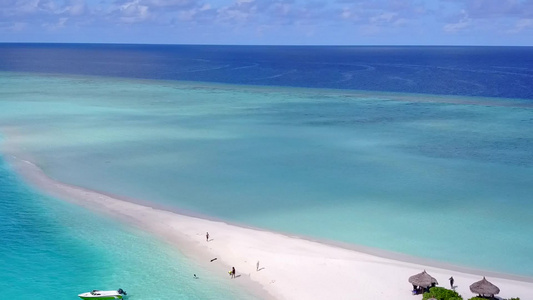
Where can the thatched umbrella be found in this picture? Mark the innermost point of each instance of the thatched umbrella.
(422, 280)
(484, 287)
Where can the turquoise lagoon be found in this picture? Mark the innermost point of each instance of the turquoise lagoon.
(443, 178)
(52, 249)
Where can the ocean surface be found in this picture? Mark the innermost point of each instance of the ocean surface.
(426, 151)
(467, 71)
(52, 249)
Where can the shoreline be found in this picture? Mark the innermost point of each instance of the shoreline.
(291, 267)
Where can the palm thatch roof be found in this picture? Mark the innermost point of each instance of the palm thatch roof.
(484, 287)
(422, 279)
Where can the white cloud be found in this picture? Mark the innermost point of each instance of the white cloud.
(524, 24)
(401, 22)
(463, 23)
(133, 12)
(346, 13)
(168, 3)
(239, 12)
(19, 7)
(75, 8)
(521, 25)
(456, 27)
(369, 29)
(386, 17)
(274, 18)
(13, 27)
(57, 25)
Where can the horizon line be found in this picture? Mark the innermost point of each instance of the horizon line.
(267, 45)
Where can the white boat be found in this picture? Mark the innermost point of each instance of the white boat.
(96, 294)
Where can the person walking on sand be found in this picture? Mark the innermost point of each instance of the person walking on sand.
(451, 282)
(232, 272)
(207, 236)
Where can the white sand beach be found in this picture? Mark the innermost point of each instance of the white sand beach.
(289, 267)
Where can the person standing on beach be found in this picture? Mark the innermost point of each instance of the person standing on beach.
(451, 282)
(232, 272)
(207, 236)
(257, 266)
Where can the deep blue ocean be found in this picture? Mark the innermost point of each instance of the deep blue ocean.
(425, 151)
(505, 72)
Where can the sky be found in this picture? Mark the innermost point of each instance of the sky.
(269, 22)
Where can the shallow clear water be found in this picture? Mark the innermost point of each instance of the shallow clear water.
(55, 250)
(433, 176)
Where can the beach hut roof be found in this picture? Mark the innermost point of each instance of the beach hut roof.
(484, 287)
(422, 279)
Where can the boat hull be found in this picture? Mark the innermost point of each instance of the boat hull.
(101, 297)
